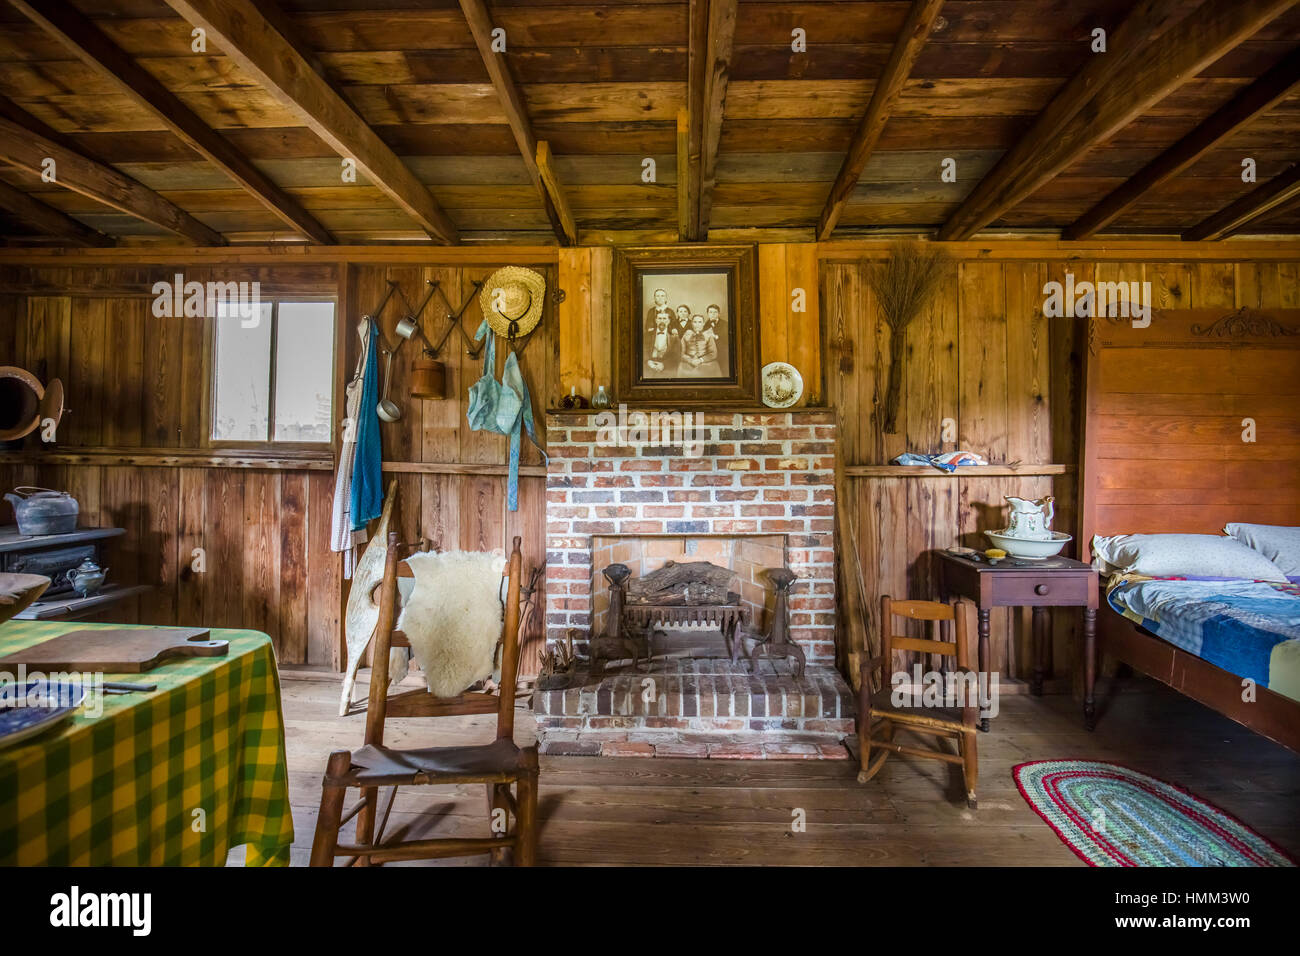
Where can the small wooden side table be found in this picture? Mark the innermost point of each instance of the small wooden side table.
(1017, 582)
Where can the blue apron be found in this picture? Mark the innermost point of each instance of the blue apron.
(502, 407)
(367, 469)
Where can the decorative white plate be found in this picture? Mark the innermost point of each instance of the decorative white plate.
(35, 707)
(782, 385)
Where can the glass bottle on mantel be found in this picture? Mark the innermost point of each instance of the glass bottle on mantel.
(601, 399)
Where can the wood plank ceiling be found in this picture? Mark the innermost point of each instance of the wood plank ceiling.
(244, 141)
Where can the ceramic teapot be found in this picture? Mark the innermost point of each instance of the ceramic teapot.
(87, 578)
(1030, 519)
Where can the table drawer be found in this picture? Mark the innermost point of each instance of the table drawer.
(1019, 590)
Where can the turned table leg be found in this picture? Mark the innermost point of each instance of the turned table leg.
(984, 655)
(1039, 638)
(1089, 666)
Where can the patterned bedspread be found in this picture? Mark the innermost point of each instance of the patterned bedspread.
(1248, 628)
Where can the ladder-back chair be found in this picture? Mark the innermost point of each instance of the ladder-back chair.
(878, 715)
(497, 765)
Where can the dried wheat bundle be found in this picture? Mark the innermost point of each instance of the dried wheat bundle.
(903, 286)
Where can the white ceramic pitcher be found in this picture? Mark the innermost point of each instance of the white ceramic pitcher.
(1030, 519)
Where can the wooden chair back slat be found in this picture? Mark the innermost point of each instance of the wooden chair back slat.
(923, 610)
(900, 643)
(961, 614)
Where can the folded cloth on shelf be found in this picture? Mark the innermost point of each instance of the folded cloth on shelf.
(948, 461)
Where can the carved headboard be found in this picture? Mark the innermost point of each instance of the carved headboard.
(1170, 412)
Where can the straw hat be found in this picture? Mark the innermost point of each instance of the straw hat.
(520, 293)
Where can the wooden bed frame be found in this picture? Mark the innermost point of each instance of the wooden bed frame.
(1165, 411)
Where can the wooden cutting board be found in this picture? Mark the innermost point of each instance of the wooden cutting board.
(118, 650)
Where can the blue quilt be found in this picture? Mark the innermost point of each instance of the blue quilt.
(1248, 628)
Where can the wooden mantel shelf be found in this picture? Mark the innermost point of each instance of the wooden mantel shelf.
(965, 471)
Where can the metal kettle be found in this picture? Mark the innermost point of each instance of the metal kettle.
(43, 511)
(87, 578)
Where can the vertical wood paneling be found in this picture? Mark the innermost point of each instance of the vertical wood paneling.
(324, 575)
(292, 607)
(159, 489)
(577, 355)
(1029, 430)
(124, 507)
(224, 537)
(602, 318)
(85, 385)
(983, 359)
(440, 436)
(261, 552)
(482, 513)
(930, 392)
(192, 587)
(162, 382)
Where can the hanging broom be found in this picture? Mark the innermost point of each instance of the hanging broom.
(903, 286)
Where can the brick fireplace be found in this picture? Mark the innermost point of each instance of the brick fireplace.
(752, 491)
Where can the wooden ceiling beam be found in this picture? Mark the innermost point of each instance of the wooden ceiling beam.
(92, 47)
(1259, 97)
(889, 87)
(245, 34)
(683, 174)
(27, 149)
(689, 147)
(1262, 199)
(512, 102)
(717, 70)
(48, 220)
(1157, 49)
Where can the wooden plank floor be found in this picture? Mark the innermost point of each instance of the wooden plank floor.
(620, 811)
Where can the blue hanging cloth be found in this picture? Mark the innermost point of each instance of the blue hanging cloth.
(503, 407)
(367, 470)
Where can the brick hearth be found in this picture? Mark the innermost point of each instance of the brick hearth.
(764, 477)
(690, 705)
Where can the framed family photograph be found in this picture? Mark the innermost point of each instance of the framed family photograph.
(685, 326)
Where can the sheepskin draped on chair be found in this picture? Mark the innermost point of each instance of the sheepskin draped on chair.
(452, 617)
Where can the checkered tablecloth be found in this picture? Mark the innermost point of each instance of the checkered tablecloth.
(178, 776)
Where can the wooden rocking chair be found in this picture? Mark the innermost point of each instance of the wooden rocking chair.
(959, 723)
(496, 765)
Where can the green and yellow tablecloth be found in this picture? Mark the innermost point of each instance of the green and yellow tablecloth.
(177, 776)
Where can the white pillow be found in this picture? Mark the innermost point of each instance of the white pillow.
(1278, 543)
(1178, 555)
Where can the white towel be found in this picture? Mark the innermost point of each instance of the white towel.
(342, 537)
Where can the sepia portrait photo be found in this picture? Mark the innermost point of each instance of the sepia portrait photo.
(686, 329)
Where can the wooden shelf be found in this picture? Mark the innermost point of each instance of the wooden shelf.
(459, 468)
(75, 607)
(171, 458)
(11, 540)
(965, 471)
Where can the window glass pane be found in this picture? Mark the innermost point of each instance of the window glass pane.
(241, 371)
(304, 371)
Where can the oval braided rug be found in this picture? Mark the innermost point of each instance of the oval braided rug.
(1113, 816)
